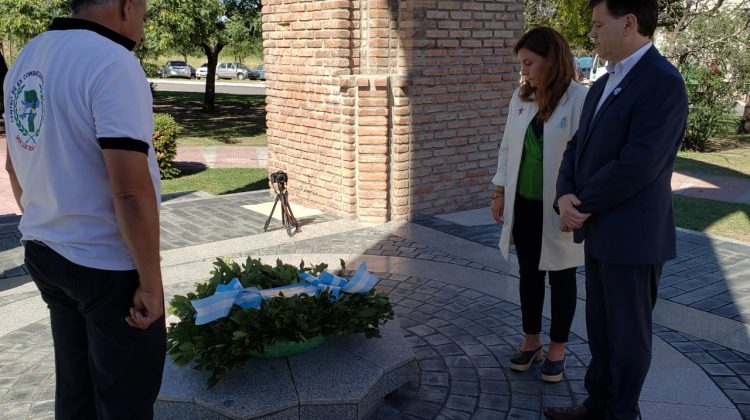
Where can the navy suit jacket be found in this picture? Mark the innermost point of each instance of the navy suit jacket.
(619, 164)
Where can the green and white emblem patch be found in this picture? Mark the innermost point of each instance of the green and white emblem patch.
(27, 109)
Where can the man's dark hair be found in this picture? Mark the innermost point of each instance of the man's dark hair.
(646, 11)
(78, 5)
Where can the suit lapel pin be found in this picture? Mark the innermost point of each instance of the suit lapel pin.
(563, 122)
(520, 110)
(617, 91)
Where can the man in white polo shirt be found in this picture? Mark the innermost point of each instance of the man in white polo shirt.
(78, 113)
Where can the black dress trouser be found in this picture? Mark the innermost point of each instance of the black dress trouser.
(619, 304)
(105, 368)
(527, 236)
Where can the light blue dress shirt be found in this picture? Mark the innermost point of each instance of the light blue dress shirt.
(617, 72)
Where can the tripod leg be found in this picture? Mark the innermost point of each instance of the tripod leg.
(291, 221)
(273, 209)
(285, 211)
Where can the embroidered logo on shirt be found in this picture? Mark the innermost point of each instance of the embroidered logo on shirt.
(563, 122)
(27, 109)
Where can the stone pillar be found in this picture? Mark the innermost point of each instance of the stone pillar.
(388, 109)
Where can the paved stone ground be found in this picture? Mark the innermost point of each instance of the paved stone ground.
(708, 274)
(462, 340)
(202, 220)
(462, 337)
(728, 369)
(221, 157)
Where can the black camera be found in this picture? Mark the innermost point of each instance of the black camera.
(279, 177)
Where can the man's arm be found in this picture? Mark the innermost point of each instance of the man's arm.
(565, 176)
(656, 128)
(138, 219)
(14, 185)
(565, 200)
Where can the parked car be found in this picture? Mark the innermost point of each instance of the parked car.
(175, 68)
(258, 73)
(232, 70)
(598, 68)
(583, 65)
(202, 71)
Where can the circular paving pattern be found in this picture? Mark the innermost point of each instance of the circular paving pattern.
(462, 341)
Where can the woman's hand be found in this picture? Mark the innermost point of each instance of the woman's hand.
(498, 205)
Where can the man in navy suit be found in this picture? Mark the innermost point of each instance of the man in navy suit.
(614, 191)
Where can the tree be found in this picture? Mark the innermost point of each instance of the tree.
(703, 29)
(21, 20)
(209, 25)
(242, 45)
(572, 18)
(716, 33)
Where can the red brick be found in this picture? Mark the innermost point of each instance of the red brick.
(332, 94)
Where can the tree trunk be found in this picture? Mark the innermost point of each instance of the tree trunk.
(209, 97)
(745, 122)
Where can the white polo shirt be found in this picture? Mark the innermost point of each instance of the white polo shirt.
(73, 91)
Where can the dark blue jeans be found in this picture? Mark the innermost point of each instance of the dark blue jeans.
(105, 368)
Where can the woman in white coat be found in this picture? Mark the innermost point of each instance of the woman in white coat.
(542, 118)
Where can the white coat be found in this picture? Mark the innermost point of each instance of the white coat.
(558, 249)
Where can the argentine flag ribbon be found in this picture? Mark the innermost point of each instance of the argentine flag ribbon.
(220, 303)
(227, 295)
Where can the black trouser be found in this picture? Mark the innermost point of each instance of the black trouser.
(105, 368)
(527, 235)
(619, 303)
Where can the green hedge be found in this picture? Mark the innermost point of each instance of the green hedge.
(165, 144)
(710, 99)
(151, 70)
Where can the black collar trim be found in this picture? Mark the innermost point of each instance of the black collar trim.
(62, 24)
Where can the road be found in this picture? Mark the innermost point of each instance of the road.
(237, 88)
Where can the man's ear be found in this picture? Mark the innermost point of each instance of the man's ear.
(126, 9)
(631, 25)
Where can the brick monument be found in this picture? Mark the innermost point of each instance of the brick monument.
(387, 110)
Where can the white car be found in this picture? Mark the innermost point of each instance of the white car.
(202, 71)
(598, 69)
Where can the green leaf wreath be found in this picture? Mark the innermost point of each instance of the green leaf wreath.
(227, 343)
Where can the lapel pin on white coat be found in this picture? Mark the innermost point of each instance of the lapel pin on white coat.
(563, 122)
(617, 91)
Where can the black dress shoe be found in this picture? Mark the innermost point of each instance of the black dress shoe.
(552, 371)
(576, 412)
(521, 360)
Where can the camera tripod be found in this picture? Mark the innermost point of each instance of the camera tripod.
(282, 196)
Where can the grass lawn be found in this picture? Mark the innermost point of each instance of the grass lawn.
(218, 181)
(728, 154)
(239, 119)
(731, 220)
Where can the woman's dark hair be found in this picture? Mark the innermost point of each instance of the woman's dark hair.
(645, 11)
(548, 43)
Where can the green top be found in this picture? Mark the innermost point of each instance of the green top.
(530, 174)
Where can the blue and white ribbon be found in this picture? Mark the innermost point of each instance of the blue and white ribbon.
(220, 303)
(361, 281)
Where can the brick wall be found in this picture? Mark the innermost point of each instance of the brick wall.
(386, 110)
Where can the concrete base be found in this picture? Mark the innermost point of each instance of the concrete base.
(346, 377)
